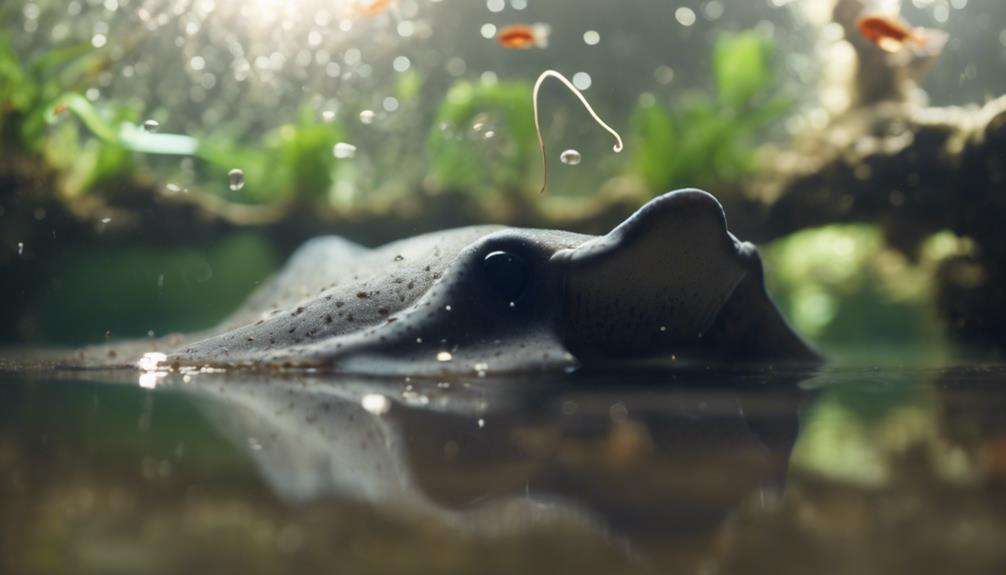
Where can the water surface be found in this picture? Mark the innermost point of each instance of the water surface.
(695, 471)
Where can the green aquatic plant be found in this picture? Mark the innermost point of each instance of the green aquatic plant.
(306, 163)
(702, 141)
(464, 155)
(832, 282)
(295, 164)
(40, 98)
(92, 164)
(37, 95)
(31, 89)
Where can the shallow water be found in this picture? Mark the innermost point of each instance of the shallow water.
(840, 471)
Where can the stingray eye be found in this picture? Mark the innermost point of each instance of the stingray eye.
(507, 273)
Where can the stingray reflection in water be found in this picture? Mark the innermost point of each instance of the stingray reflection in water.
(655, 468)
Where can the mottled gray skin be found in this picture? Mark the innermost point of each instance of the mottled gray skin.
(669, 281)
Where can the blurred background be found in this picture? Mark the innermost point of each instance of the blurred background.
(162, 158)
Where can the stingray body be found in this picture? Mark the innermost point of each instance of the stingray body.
(669, 281)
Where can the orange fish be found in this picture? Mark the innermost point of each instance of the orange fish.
(372, 7)
(891, 34)
(523, 36)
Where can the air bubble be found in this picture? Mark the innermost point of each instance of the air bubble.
(367, 116)
(236, 179)
(401, 64)
(684, 16)
(343, 151)
(570, 157)
(151, 126)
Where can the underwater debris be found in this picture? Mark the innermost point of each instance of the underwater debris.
(537, 124)
(151, 126)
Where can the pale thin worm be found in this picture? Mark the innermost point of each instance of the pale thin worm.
(537, 125)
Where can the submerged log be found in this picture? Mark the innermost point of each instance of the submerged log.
(921, 168)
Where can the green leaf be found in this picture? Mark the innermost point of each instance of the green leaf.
(87, 114)
(139, 140)
(655, 145)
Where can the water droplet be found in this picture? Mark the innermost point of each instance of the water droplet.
(20, 248)
(489, 134)
(151, 125)
(570, 157)
(714, 9)
(367, 116)
(664, 75)
(591, 37)
(684, 16)
(236, 179)
(479, 122)
(328, 116)
(481, 423)
(344, 151)
(444, 356)
(375, 403)
(401, 63)
(581, 80)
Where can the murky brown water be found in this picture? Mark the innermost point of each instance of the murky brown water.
(841, 471)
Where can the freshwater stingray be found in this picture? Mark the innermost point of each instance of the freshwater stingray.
(669, 282)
